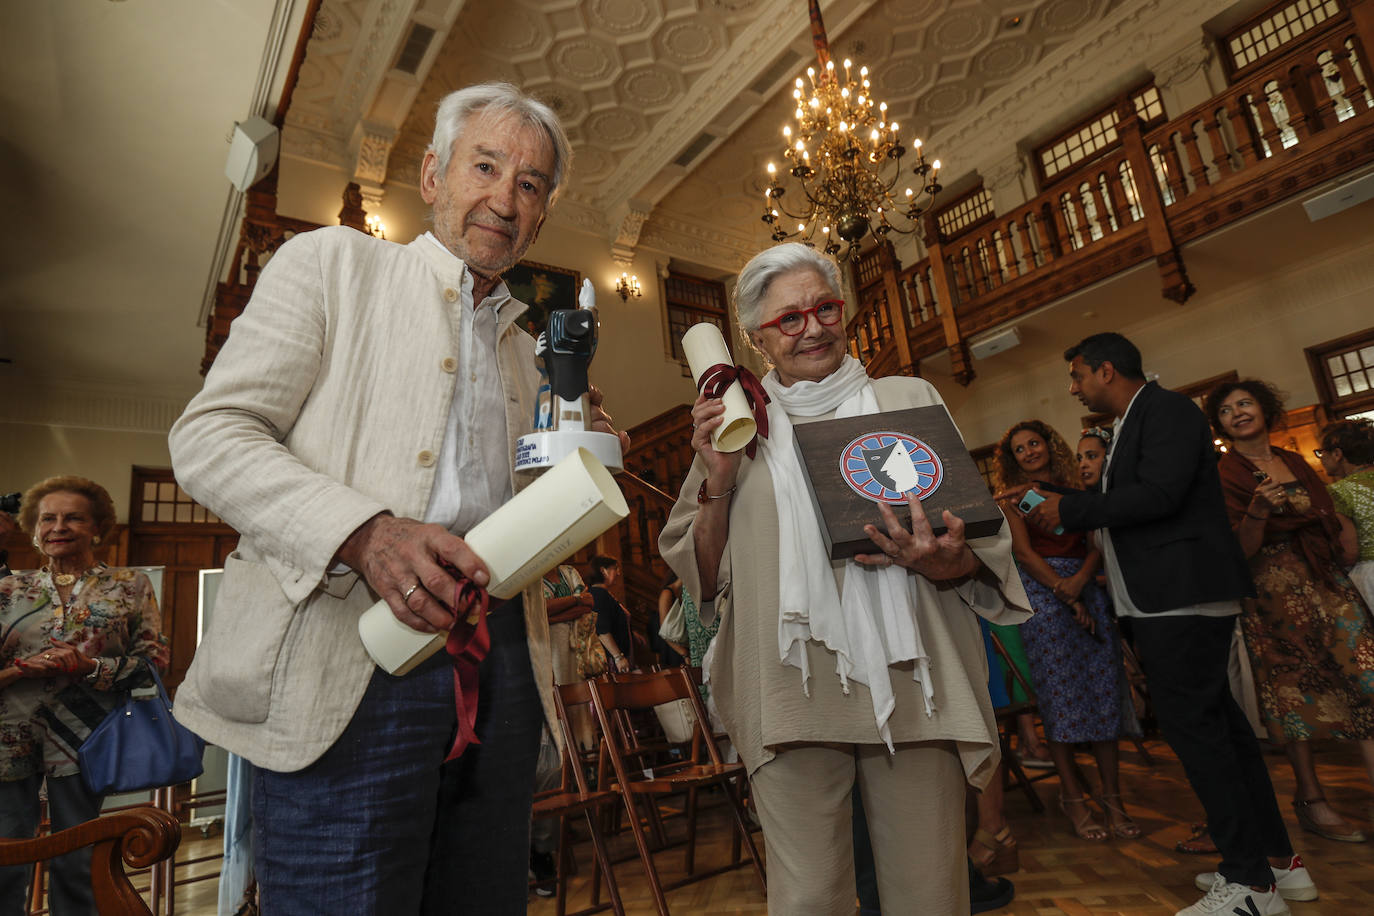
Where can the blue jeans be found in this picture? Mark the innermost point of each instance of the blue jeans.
(69, 803)
(380, 824)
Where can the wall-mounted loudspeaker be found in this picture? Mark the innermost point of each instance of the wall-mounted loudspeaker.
(252, 152)
(995, 343)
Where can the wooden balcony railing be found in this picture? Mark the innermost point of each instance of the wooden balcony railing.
(1287, 125)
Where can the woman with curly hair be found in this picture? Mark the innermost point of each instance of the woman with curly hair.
(1308, 631)
(74, 636)
(1071, 642)
(1347, 457)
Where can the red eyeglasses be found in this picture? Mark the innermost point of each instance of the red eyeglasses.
(793, 323)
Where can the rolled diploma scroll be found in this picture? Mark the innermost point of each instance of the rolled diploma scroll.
(565, 508)
(705, 347)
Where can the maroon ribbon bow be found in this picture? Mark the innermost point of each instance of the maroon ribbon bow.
(721, 376)
(467, 645)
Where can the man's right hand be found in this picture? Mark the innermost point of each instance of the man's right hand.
(394, 554)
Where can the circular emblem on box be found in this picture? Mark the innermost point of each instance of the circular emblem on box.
(885, 466)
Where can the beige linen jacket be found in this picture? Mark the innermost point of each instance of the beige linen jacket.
(326, 405)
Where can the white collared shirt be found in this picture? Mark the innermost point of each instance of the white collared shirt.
(472, 477)
(1116, 583)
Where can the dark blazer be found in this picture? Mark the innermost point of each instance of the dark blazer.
(1164, 508)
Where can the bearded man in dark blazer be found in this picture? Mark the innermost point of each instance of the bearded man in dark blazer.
(1175, 567)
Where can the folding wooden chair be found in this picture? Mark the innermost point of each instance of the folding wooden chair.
(1006, 717)
(700, 767)
(574, 796)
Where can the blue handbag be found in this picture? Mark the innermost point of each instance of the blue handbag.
(140, 746)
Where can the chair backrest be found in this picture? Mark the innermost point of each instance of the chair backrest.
(634, 691)
(139, 836)
(1013, 673)
(565, 697)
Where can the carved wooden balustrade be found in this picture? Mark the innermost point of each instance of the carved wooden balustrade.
(661, 449)
(1287, 124)
(642, 569)
(262, 232)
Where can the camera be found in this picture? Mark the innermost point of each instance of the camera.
(9, 502)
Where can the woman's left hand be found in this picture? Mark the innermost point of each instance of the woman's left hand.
(1082, 617)
(1069, 588)
(62, 660)
(919, 550)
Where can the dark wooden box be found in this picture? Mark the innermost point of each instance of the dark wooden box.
(842, 457)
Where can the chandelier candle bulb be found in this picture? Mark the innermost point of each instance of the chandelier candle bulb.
(565, 508)
(704, 346)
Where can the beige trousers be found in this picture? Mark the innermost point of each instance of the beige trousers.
(914, 801)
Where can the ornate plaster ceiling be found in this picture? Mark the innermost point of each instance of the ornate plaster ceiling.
(674, 106)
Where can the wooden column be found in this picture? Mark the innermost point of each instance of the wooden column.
(1362, 14)
(1173, 275)
(942, 278)
(896, 301)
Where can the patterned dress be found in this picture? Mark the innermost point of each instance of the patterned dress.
(1311, 643)
(1077, 675)
(1354, 498)
(112, 616)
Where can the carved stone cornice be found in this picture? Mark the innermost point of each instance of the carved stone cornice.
(1184, 63)
(372, 146)
(707, 245)
(633, 214)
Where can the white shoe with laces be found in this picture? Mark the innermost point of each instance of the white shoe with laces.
(1227, 899)
(1293, 882)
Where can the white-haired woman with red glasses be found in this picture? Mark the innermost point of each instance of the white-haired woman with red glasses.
(831, 674)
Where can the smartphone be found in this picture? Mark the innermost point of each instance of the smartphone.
(1260, 476)
(1030, 501)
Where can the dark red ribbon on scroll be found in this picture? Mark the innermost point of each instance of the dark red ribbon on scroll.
(467, 645)
(721, 376)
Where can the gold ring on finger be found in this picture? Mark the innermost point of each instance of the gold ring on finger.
(405, 596)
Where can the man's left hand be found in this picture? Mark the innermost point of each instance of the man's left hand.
(919, 550)
(1046, 515)
(601, 421)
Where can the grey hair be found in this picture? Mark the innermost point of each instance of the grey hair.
(499, 98)
(766, 266)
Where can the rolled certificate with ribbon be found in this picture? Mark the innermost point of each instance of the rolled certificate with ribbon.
(565, 508)
(716, 375)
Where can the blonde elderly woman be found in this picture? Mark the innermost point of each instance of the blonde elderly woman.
(827, 675)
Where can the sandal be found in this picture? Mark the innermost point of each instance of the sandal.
(1085, 827)
(1118, 821)
(994, 853)
(1330, 832)
(1199, 842)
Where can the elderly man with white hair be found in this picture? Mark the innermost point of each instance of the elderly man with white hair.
(359, 420)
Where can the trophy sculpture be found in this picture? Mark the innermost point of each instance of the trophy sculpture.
(566, 346)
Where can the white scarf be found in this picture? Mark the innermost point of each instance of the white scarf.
(873, 624)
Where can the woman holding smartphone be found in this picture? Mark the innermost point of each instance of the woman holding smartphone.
(1308, 631)
(1071, 642)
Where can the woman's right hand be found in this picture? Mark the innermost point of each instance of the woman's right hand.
(721, 467)
(1269, 497)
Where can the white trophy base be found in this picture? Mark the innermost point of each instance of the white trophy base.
(545, 449)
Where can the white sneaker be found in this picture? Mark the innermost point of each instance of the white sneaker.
(1293, 882)
(1227, 899)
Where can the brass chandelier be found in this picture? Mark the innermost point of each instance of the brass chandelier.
(847, 159)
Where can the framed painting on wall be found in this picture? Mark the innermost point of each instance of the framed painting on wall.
(543, 288)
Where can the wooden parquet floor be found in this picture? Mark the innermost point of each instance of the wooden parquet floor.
(1061, 874)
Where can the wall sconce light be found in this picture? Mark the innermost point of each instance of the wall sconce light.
(375, 226)
(628, 286)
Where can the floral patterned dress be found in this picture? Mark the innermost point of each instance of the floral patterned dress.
(1311, 643)
(112, 616)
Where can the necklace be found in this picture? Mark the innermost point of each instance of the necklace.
(65, 579)
(1265, 458)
